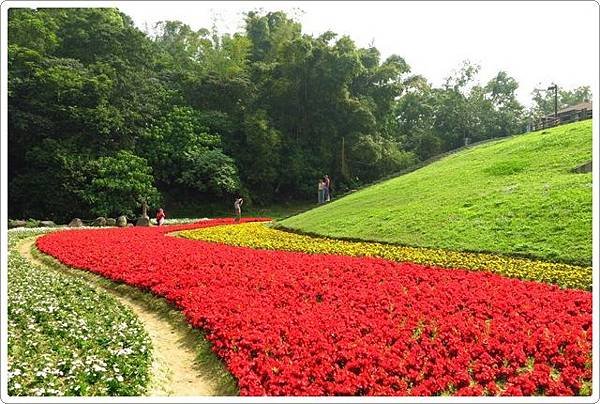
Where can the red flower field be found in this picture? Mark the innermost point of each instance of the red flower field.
(295, 324)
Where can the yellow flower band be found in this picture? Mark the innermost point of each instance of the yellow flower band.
(260, 236)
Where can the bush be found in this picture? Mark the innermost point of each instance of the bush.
(119, 185)
(32, 223)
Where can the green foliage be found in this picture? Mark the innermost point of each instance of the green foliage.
(435, 120)
(544, 99)
(85, 92)
(61, 184)
(515, 196)
(119, 184)
(377, 157)
(269, 33)
(33, 28)
(184, 148)
(32, 223)
(48, 187)
(261, 151)
(263, 112)
(209, 171)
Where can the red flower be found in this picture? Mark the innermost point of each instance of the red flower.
(294, 324)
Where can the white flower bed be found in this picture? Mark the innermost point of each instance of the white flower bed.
(65, 338)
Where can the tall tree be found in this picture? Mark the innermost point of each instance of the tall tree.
(114, 115)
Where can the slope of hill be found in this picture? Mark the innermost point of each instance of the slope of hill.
(516, 196)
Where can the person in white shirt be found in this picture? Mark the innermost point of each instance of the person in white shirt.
(237, 206)
(321, 188)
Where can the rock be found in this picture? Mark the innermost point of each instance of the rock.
(122, 221)
(111, 222)
(75, 223)
(16, 223)
(100, 221)
(143, 221)
(47, 223)
(584, 168)
(130, 225)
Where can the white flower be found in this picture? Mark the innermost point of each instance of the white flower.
(39, 391)
(125, 351)
(98, 368)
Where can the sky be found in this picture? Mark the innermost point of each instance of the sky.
(537, 43)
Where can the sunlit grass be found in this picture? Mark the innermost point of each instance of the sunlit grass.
(516, 196)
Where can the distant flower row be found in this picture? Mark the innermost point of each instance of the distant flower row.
(290, 323)
(67, 339)
(258, 235)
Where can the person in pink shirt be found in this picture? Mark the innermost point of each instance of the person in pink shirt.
(160, 217)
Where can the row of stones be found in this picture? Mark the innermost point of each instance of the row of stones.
(101, 221)
(121, 221)
(30, 223)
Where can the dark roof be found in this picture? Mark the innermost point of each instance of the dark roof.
(577, 107)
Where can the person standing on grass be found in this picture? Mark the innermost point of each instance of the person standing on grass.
(327, 188)
(237, 207)
(160, 217)
(321, 193)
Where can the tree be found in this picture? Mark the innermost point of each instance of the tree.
(81, 87)
(49, 185)
(269, 33)
(119, 184)
(113, 114)
(433, 120)
(260, 156)
(185, 149)
(543, 100)
(508, 113)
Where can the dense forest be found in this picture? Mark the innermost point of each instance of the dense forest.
(103, 115)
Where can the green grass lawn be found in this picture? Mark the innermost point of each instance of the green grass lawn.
(516, 196)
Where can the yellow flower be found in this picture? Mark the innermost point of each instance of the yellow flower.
(260, 236)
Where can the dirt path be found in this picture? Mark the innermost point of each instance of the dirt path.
(174, 369)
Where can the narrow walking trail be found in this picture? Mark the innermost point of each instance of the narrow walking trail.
(292, 323)
(174, 372)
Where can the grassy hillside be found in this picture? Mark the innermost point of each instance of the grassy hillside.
(515, 196)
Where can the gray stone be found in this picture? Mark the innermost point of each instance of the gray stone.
(100, 221)
(130, 225)
(47, 223)
(122, 221)
(111, 222)
(584, 168)
(16, 223)
(75, 223)
(143, 221)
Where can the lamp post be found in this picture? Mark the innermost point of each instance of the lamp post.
(555, 88)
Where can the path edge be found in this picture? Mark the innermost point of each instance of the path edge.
(213, 368)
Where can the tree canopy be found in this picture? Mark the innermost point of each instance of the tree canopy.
(103, 115)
